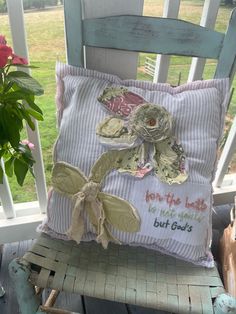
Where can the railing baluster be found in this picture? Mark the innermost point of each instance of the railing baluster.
(16, 19)
(226, 156)
(6, 197)
(171, 10)
(209, 15)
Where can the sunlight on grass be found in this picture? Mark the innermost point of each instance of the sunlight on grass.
(45, 33)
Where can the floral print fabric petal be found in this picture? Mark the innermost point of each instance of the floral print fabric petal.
(145, 133)
(170, 162)
(120, 100)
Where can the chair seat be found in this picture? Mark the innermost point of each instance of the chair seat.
(124, 274)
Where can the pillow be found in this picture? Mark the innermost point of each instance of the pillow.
(172, 218)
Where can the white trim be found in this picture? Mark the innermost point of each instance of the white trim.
(6, 197)
(226, 155)
(16, 20)
(23, 209)
(19, 229)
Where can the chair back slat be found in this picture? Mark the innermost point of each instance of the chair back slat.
(73, 27)
(153, 35)
(227, 58)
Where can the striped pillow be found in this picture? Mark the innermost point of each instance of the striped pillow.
(175, 219)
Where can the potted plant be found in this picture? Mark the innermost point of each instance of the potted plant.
(17, 106)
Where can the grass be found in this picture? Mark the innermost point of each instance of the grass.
(45, 32)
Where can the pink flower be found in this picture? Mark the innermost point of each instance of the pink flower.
(3, 40)
(5, 53)
(27, 142)
(18, 60)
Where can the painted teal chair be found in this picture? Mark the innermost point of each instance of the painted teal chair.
(184, 288)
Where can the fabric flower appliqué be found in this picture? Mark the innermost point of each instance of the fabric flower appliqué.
(144, 131)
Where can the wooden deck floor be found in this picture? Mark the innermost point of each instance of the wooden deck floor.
(82, 304)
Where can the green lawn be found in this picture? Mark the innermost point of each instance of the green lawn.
(45, 32)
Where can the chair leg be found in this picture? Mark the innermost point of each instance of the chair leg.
(224, 304)
(2, 291)
(19, 271)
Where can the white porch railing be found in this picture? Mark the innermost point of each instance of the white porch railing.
(19, 221)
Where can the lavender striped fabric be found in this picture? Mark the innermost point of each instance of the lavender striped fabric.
(198, 109)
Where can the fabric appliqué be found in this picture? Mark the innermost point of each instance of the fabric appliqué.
(144, 132)
(103, 209)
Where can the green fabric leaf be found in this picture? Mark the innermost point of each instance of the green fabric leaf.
(26, 82)
(119, 213)
(67, 179)
(20, 170)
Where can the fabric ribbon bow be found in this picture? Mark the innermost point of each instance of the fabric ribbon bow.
(103, 209)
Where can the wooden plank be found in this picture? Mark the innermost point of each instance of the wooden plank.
(97, 306)
(171, 10)
(73, 30)
(206, 300)
(156, 35)
(8, 303)
(183, 294)
(227, 60)
(195, 299)
(121, 63)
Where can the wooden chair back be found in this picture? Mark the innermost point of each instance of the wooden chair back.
(149, 34)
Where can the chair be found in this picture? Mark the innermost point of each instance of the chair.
(168, 284)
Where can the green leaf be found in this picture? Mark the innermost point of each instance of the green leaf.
(26, 154)
(1, 175)
(9, 166)
(28, 119)
(14, 96)
(20, 170)
(11, 125)
(2, 152)
(26, 82)
(35, 114)
(31, 171)
(32, 104)
(8, 87)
